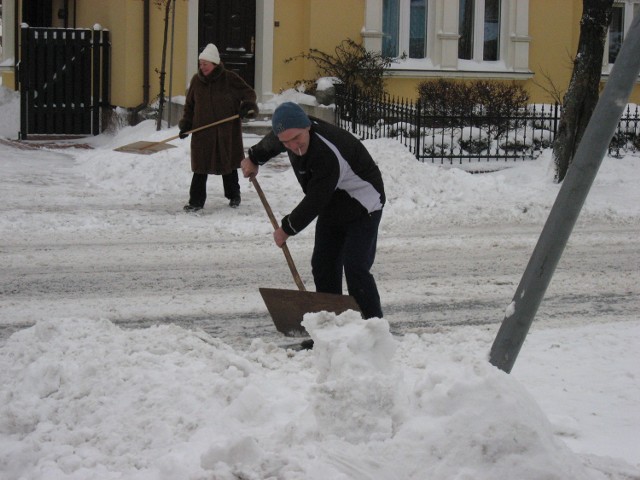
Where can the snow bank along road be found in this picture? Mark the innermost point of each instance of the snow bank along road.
(437, 279)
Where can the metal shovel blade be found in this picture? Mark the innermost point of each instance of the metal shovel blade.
(287, 307)
(145, 148)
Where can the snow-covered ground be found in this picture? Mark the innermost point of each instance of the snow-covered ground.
(134, 343)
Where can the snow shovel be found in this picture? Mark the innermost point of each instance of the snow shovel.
(287, 307)
(147, 148)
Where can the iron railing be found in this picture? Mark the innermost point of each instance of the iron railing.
(472, 136)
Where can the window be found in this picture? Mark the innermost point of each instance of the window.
(429, 37)
(492, 25)
(465, 29)
(393, 22)
(623, 15)
(390, 27)
(479, 24)
(418, 29)
(616, 31)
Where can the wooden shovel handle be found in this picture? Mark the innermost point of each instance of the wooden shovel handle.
(274, 223)
(224, 120)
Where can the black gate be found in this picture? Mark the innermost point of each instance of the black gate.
(64, 81)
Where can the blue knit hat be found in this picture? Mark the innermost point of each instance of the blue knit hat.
(288, 115)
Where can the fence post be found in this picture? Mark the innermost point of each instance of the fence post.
(336, 111)
(418, 110)
(23, 79)
(105, 91)
(95, 59)
(353, 108)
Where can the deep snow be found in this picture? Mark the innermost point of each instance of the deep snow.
(136, 345)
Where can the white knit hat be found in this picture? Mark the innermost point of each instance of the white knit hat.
(210, 54)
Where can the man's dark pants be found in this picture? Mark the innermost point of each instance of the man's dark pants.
(352, 247)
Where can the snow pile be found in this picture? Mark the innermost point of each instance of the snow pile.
(87, 399)
(10, 118)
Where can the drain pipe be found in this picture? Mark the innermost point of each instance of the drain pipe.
(133, 117)
(16, 43)
(173, 33)
(145, 86)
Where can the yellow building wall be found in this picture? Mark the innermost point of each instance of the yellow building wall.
(179, 80)
(317, 24)
(122, 18)
(290, 38)
(125, 21)
(554, 36)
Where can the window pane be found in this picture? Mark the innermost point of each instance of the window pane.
(418, 29)
(491, 48)
(616, 32)
(465, 30)
(390, 26)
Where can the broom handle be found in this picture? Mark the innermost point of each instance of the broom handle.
(274, 223)
(224, 120)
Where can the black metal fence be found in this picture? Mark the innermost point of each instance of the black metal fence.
(472, 137)
(64, 81)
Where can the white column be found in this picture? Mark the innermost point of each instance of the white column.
(191, 65)
(265, 17)
(447, 34)
(8, 31)
(372, 28)
(520, 39)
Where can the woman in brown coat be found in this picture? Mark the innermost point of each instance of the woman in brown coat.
(214, 94)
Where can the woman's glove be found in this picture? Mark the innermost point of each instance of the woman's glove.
(184, 126)
(248, 110)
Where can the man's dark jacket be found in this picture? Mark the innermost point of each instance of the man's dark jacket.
(340, 180)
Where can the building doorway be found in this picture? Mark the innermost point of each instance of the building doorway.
(231, 26)
(37, 13)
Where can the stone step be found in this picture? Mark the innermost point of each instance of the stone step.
(262, 124)
(257, 126)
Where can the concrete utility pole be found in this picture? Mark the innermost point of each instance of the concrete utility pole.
(568, 204)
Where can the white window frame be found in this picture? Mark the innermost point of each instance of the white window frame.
(630, 6)
(405, 21)
(442, 41)
(478, 32)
